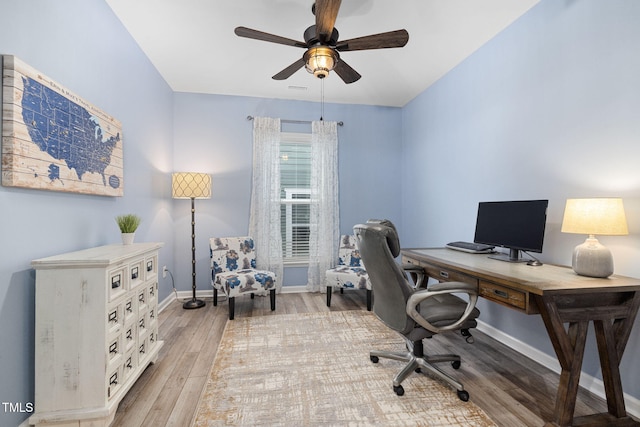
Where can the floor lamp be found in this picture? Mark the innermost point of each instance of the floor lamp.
(191, 185)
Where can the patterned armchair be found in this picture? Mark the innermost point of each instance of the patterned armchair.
(233, 271)
(350, 272)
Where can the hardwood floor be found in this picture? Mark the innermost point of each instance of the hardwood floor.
(512, 389)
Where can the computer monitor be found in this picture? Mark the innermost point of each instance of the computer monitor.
(515, 225)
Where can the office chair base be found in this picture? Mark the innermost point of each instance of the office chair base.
(417, 363)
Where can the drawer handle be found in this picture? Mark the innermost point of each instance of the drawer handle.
(444, 274)
(142, 349)
(150, 266)
(113, 348)
(501, 294)
(113, 317)
(129, 364)
(129, 335)
(141, 298)
(128, 307)
(114, 379)
(115, 281)
(134, 273)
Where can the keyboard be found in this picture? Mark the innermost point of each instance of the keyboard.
(474, 248)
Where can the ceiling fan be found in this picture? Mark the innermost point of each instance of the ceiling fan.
(322, 45)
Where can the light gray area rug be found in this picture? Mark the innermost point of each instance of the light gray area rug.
(313, 369)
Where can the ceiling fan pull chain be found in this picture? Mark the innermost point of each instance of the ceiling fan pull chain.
(321, 99)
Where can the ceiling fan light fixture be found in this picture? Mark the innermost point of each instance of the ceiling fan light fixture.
(319, 60)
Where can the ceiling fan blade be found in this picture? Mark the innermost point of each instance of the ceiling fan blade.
(397, 38)
(288, 72)
(326, 13)
(346, 73)
(260, 35)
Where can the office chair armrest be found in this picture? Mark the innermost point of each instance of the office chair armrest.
(439, 289)
(417, 275)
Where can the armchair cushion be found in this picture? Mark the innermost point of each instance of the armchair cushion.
(233, 262)
(350, 273)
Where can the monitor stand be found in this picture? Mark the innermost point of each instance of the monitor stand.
(512, 256)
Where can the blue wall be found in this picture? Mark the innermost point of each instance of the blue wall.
(549, 108)
(212, 134)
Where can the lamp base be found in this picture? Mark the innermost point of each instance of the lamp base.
(193, 303)
(592, 259)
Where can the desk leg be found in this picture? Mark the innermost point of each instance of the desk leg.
(613, 327)
(612, 337)
(609, 362)
(569, 347)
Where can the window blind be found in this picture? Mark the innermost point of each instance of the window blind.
(295, 193)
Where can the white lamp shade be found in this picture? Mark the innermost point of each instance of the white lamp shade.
(190, 185)
(603, 216)
(594, 216)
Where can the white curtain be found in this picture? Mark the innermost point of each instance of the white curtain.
(264, 219)
(324, 221)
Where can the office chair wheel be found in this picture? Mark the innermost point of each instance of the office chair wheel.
(399, 390)
(374, 359)
(463, 395)
(456, 364)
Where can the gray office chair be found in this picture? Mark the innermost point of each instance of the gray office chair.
(415, 272)
(413, 313)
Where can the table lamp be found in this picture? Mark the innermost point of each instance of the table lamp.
(191, 185)
(594, 216)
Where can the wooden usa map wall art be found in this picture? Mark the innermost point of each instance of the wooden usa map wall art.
(54, 140)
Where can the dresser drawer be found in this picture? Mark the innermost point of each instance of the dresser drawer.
(153, 337)
(142, 296)
(129, 336)
(136, 273)
(115, 317)
(503, 295)
(130, 308)
(113, 381)
(130, 364)
(117, 282)
(445, 275)
(151, 267)
(114, 350)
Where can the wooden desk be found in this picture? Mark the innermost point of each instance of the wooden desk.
(561, 297)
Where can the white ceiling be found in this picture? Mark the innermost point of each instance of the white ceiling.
(193, 46)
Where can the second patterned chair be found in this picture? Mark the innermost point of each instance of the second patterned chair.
(350, 272)
(234, 273)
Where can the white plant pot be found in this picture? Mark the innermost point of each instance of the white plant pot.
(127, 238)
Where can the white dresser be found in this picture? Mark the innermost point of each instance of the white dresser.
(96, 330)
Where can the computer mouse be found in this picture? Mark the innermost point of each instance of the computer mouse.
(534, 262)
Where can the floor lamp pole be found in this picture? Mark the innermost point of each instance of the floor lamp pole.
(193, 302)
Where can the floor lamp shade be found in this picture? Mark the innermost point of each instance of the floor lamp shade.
(187, 185)
(604, 216)
(191, 185)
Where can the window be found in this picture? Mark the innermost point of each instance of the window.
(295, 195)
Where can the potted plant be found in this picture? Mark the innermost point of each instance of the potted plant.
(128, 225)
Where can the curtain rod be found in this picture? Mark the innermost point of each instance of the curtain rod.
(295, 121)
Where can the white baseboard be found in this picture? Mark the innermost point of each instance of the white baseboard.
(208, 293)
(183, 295)
(293, 289)
(588, 382)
